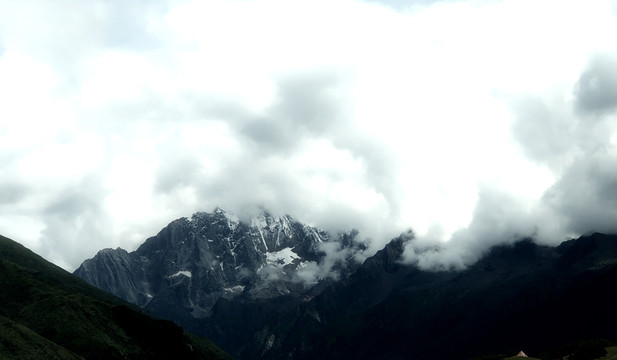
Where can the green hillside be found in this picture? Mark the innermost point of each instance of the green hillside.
(611, 353)
(47, 313)
(18, 342)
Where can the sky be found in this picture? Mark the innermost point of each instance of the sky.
(473, 123)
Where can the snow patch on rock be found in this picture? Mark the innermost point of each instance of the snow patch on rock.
(182, 272)
(281, 258)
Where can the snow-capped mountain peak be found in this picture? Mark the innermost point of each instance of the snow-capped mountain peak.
(196, 261)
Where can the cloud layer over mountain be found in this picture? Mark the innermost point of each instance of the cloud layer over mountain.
(471, 122)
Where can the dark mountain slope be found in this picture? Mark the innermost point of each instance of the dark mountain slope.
(17, 342)
(522, 296)
(48, 313)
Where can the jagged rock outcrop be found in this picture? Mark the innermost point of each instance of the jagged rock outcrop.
(117, 272)
(188, 266)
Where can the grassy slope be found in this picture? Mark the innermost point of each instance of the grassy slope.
(43, 305)
(611, 353)
(18, 342)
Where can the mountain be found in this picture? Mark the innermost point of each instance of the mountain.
(270, 288)
(197, 269)
(523, 296)
(47, 313)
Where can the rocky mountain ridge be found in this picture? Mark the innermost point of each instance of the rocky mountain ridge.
(193, 262)
(524, 295)
(268, 289)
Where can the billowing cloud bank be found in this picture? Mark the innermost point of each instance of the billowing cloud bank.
(574, 137)
(472, 122)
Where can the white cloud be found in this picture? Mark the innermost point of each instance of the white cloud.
(342, 113)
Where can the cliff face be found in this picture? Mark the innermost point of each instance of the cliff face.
(192, 263)
(117, 272)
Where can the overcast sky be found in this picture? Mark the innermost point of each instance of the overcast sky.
(471, 122)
